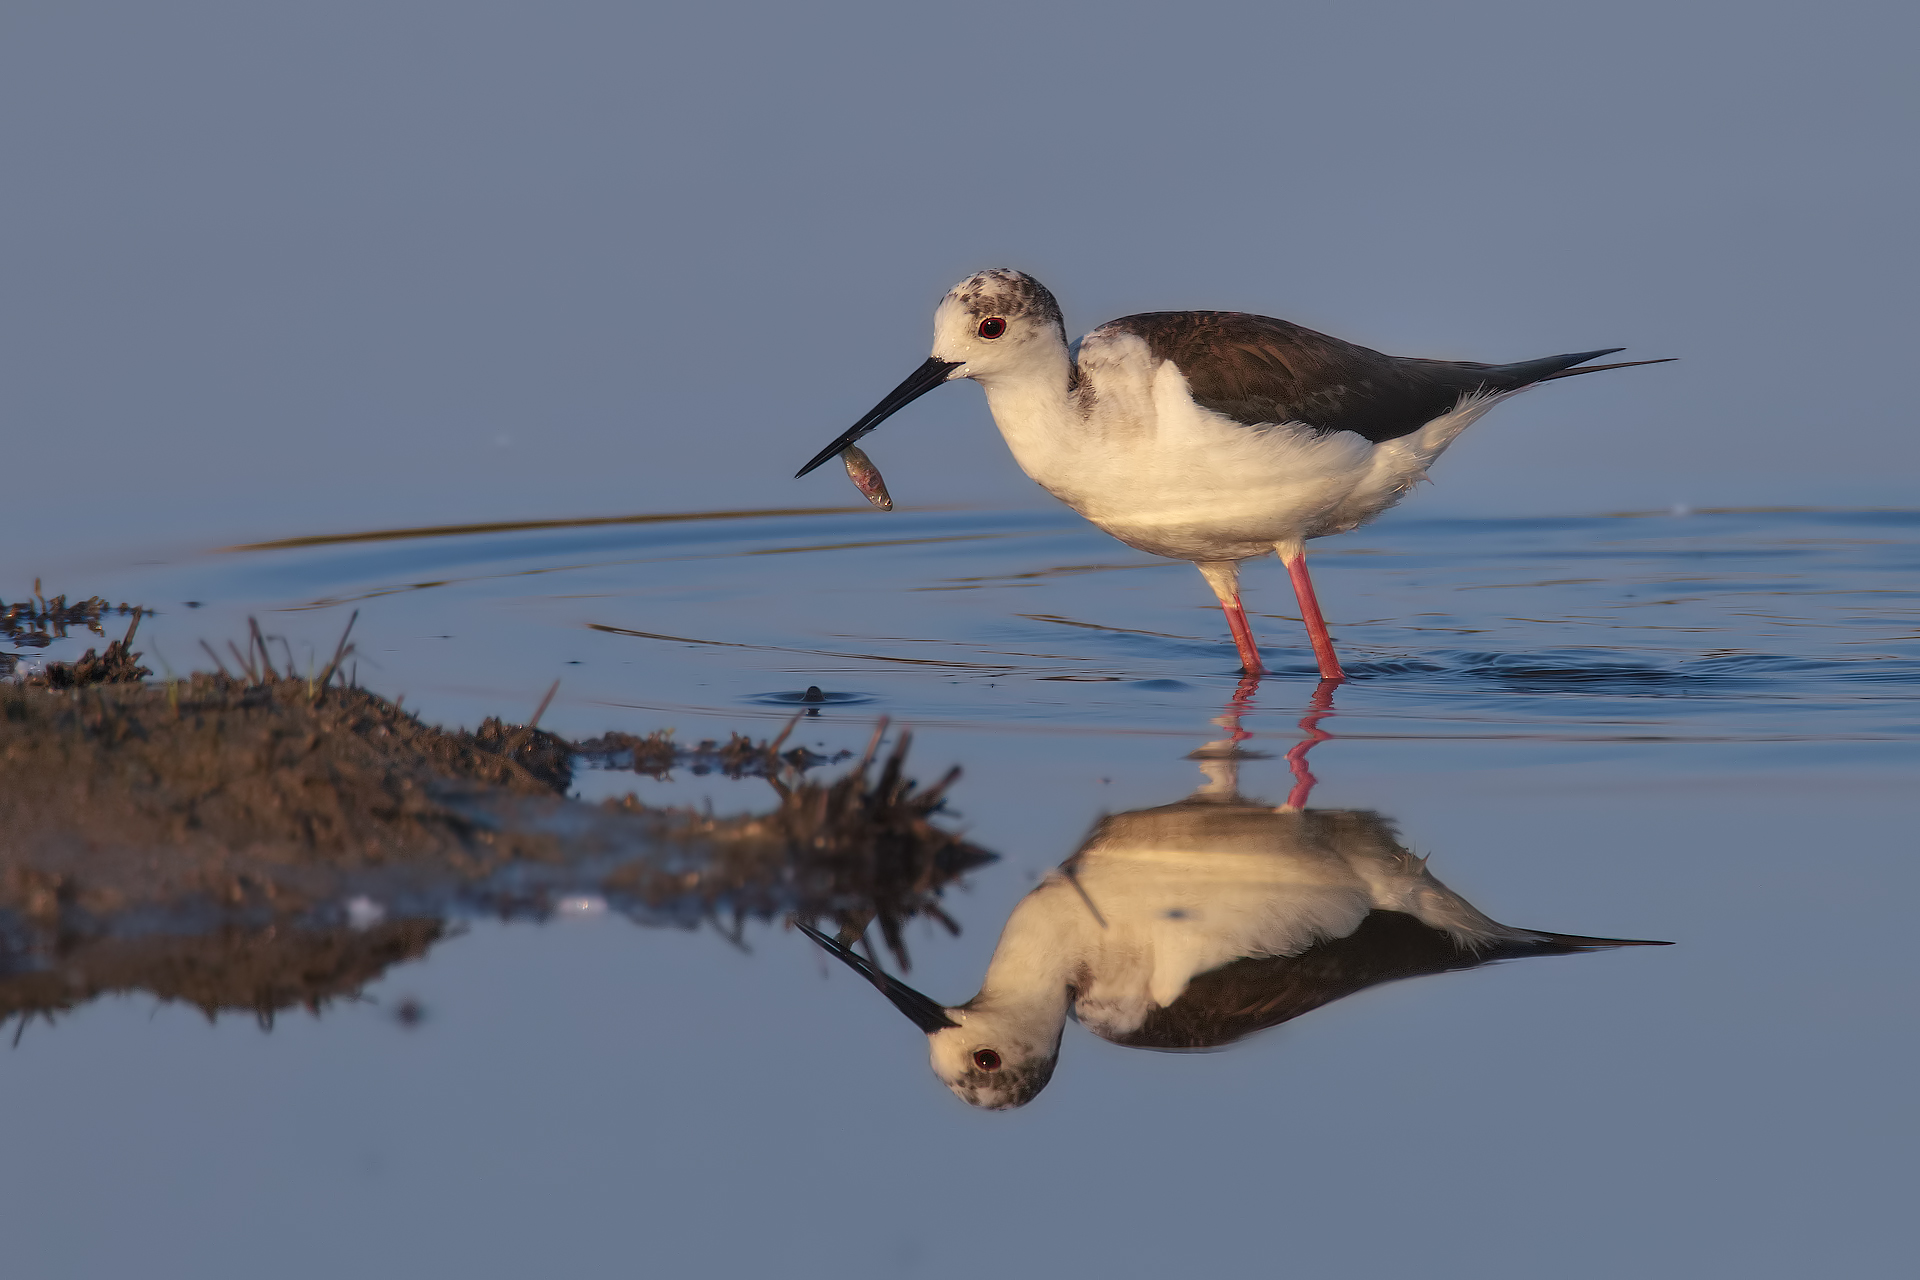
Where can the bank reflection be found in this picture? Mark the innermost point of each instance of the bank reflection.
(272, 926)
(1192, 925)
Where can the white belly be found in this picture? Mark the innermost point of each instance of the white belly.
(1167, 477)
(1221, 494)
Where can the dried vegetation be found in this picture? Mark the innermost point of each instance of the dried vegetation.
(202, 838)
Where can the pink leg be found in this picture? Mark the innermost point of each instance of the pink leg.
(1318, 709)
(1224, 577)
(1242, 637)
(1310, 614)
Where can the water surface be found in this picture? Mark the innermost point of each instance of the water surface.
(1693, 727)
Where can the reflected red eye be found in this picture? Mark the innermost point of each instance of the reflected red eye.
(986, 1059)
(992, 327)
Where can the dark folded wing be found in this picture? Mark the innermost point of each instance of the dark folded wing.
(1256, 369)
(1245, 996)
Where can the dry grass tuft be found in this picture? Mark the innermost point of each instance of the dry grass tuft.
(200, 838)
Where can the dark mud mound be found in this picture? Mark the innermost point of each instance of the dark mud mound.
(213, 771)
(255, 845)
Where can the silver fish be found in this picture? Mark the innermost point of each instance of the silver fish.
(866, 477)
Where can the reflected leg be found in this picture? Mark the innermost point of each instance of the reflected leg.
(1319, 707)
(1220, 759)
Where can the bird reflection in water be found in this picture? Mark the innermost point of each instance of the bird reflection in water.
(1195, 924)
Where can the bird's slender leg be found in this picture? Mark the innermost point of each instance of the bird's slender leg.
(1294, 556)
(1224, 577)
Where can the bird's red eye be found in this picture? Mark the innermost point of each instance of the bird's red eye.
(986, 1059)
(992, 327)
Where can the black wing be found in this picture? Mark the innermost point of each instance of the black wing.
(1238, 999)
(1256, 369)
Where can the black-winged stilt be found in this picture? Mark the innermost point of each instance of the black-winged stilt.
(1199, 923)
(1210, 436)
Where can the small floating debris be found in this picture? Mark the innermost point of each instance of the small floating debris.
(866, 477)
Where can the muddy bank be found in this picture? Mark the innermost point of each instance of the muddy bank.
(219, 775)
(257, 844)
(262, 970)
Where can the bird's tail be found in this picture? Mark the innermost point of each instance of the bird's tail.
(1526, 373)
(1481, 379)
(1562, 943)
(1601, 368)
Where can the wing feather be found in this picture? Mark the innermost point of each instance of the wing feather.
(1250, 995)
(1256, 369)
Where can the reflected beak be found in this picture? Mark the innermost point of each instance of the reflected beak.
(918, 383)
(926, 1015)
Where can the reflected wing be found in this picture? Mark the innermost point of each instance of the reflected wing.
(1238, 999)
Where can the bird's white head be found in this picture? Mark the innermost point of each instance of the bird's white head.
(994, 1060)
(993, 325)
(998, 322)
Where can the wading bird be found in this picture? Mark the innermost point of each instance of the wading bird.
(1210, 436)
(1193, 925)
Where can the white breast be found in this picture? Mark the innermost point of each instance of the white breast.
(1133, 453)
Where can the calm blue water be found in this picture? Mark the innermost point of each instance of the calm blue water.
(1696, 727)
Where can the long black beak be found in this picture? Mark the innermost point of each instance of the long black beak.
(918, 383)
(926, 1015)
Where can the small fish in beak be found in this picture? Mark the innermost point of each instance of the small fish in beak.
(866, 477)
(922, 380)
